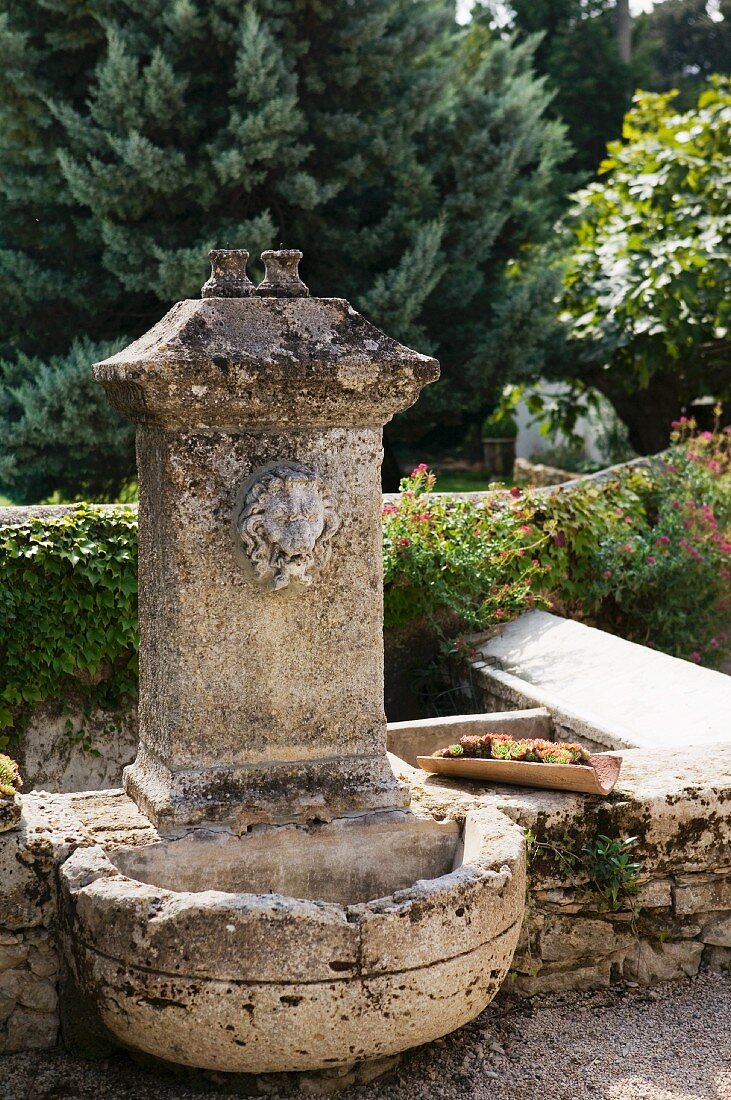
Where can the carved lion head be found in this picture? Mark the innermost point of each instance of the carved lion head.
(287, 523)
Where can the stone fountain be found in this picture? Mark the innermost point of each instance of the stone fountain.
(286, 910)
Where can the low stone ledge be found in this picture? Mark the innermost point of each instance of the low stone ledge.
(600, 688)
(679, 809)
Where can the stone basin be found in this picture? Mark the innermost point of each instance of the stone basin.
(295, 947)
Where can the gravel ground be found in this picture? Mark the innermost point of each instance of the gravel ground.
(671, 1043)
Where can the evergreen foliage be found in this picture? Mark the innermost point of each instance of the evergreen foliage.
(410, 159)
(578, 53)
(60, 432)
(647, 290)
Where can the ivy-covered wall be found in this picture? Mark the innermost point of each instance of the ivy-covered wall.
(68, 614)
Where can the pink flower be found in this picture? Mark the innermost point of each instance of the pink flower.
(526, 529)
(627, 519)
(424, 516)
(651, 560)
(420, 469)
(663, 540)
(516, 492)
(560, 539)
(499, 614)
(607, 573)
(389, 509)
(713, 643)
(695, 657)
(404, 542)
(706, 435)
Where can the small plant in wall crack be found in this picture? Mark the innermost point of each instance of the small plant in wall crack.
(613, 876)
(613, 873)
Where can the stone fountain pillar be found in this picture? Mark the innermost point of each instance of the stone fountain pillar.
(259, 425)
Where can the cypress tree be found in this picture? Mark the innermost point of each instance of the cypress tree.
(577, 49)
(410, 159)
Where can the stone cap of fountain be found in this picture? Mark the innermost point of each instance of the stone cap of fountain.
(264, 360)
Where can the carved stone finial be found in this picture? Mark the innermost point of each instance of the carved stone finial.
(286, 524)
(228, 278)
(282, 278)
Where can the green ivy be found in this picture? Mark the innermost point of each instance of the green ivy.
(68, 613)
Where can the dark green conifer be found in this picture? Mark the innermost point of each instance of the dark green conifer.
(410, 159)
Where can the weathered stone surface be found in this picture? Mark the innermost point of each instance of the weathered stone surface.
(702, 893)
(717, 931)
(678, 807)
(310, 362)
(37, 993)
(21, 892)
(605, 688)
(251, 957)
(12, 955)
(718, 959)
(655, 894)
(422, 737)
(9, 812)
(29, 1030)
(50, 760)
(648, 963)
(44, 963)
(261, 700)
(552, 980)
(565, 938)
(228, 274)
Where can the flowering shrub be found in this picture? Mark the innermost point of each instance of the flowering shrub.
(648, 556)
(441, 554)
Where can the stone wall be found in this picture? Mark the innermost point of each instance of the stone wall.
(64, 750)
(29, 964)
(672, 926)
(679, 810)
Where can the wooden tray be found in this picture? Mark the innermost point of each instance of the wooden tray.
(596, 777)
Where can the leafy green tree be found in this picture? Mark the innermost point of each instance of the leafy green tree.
(410, 159)
(647, 282)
